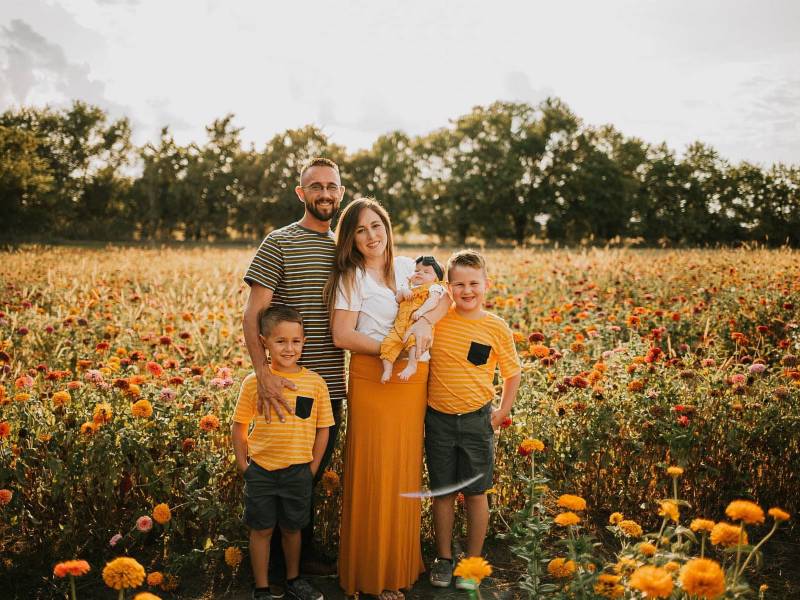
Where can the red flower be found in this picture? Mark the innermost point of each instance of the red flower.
(506, 423)
(683, 421)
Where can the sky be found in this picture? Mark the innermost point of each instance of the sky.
(725, 72)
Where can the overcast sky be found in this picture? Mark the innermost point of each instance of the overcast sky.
(726, 72)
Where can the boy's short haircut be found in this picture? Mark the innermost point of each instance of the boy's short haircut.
(466, 258)
(269, 318)
(317, 161)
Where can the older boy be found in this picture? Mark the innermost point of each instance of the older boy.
(284, 455)
(460, 422)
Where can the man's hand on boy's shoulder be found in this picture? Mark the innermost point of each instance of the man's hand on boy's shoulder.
(498, 416)
(270, 393)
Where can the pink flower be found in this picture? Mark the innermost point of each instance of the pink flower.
(144, 524)
(738, 378)
(114, 539)
(94, 376)
(708, 362)
(758, 368)
(167, 394)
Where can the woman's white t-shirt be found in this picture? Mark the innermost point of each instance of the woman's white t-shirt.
(375, 303)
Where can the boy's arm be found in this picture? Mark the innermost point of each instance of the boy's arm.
(510, 387)
(239, 438)
(422, 330)
(430, 303)
(320, 443)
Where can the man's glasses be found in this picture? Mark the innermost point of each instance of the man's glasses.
(317, 188)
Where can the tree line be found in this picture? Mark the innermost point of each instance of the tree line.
(508, 172)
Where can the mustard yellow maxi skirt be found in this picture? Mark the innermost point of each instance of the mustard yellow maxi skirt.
(380, 532)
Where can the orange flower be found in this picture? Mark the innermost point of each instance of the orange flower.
(76, 568)
(89, 428)
(161, 513)
(669, 510)
(745, 511)
(102, 413)
(5, 496)
(142, 409)
(615, 518)
(571, 502)
(561, 568)
(155, 579)
(209, 423)
(122, 573)
(725, 534)
(647, 549)
(5, 429)
(539, 350)
(529, 446)
(630, 528)
(566, 519)
(60, 398)
(702, 525)
(778, 514)
(655, 582)
(233, 556)
(703, 578)
(474, 568)
(330, 481)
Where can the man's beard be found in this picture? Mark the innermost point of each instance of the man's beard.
(312, 208)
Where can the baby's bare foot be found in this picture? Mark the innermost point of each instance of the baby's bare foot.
(406, 373)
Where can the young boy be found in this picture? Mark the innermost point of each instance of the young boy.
(460, 422)
(284, 456)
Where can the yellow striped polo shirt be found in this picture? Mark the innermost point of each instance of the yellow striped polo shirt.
(278, 445)
(464, 355)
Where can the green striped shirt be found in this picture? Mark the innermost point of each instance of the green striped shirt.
(295, 262)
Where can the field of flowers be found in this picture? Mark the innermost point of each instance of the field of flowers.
(120, 369)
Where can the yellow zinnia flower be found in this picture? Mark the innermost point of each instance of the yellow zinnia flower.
(566, 519)
(146, 596)
(572, 502)
(725, 534)
(672, 566)
(608, 586)
(647, 549)
(161, 513)
(746, 511)
(142, 409)
(233, 556)
(60, 398)
(561, 567)
(703, 578)
(630, 528)
(674, 471)
(473, 568)
(122, 573)
(615, 518)
(655, 582)
(702, 525)
(669, 510)
(778, 514)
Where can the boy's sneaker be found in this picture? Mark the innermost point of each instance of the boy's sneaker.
(265, 594)
(465, 584)
(300, 589)
(441, 573)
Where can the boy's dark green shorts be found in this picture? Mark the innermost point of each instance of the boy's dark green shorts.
(459, 448)
(282, 496)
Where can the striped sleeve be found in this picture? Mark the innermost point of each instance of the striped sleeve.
(245, 410)
(266, 268)
(507, 358)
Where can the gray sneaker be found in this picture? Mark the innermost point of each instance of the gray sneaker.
(300, 589)
(441, 573)
(265, 595)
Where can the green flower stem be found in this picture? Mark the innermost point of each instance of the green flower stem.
(738, 552)
(660, 531)
(72, 587)
(754, 550)
(675, 488)
(703, 545)
(121, 594)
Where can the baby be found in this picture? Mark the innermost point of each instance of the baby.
(424, 291)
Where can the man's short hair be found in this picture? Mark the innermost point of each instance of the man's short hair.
(269, 318)
(318, 161)
(466, 258)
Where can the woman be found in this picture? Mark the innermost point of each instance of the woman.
(379, 551)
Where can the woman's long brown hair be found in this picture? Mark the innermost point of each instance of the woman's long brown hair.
(348, 257)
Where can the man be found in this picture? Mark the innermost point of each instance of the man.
(291, 268)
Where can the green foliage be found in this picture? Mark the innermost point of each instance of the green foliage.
(507, 171)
